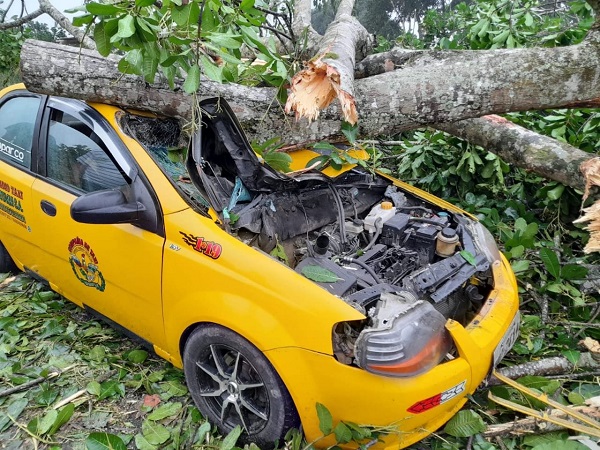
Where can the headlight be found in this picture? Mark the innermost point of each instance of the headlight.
(408, 337)
(485, 242)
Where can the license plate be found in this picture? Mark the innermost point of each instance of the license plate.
(508, 340)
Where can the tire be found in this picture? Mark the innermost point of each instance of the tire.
(232, 383)
(6, 262)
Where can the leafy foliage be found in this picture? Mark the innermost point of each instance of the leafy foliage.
(191, 37)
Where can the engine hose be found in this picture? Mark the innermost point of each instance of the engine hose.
(378, 229)
(341, 215)
(370, 271)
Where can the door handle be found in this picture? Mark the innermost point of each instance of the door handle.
(48, 208)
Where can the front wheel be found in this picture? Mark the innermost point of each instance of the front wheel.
(232, 383)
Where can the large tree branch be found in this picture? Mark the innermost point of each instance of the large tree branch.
(523, 148)
(66, 24)
(21, 21)
(302, 27)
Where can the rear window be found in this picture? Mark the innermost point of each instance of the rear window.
(17, 123)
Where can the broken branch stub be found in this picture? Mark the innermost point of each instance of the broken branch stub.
(591, 173)
(330, 75)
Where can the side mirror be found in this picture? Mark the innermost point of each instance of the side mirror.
(105, 207)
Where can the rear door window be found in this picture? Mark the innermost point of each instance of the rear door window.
(17, 125)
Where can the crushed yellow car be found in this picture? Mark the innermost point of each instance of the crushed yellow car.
(273, 292)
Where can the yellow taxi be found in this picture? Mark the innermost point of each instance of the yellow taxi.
(273, 292)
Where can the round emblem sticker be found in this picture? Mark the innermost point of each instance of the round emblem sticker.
(85, 264)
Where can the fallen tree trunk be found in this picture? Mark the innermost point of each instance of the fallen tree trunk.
(60, 70)
(551, 158)
(429, 90)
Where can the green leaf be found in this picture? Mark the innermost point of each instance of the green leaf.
(561, 445)
(94, 388)
(166, 410)
(229, 441)
(202, 431)
(14, 410)
(211, 70)
(225, 40)
(550, 261)
(319, 274)
(343, 434)
(155, 433)
(573, 272)
(143, 3)
(279, 253)
(137, 356)
(102, 34)
(325, 419)
(80, 21)
(132, 62)
(45, 423)
(142, 443)
(110, 388)
(97, 353)
(468, 256)
(186, 15)
(576, 398)
(464, 424)
(350, 131)
(102, 9)
(104, 441)
(64, 415)
(555, 194)
(537, 439)
(278, 160)
(192, 81)
(572, 356)
(126, 27)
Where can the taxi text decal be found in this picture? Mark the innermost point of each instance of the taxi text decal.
(208, 248)
(85, 264)
(10, 203)
(438, 399)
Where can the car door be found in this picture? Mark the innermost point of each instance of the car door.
(113, 269)
(19, 117)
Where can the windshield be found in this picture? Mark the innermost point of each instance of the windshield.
(164, 140)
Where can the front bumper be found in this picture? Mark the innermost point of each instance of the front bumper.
(355, 395)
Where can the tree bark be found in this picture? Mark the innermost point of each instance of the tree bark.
(307, 39)
(526, 149)
(549, 366)
(531, 425)
(21, 20)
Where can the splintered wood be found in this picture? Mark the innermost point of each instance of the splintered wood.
(591, 172)
(314, 88)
